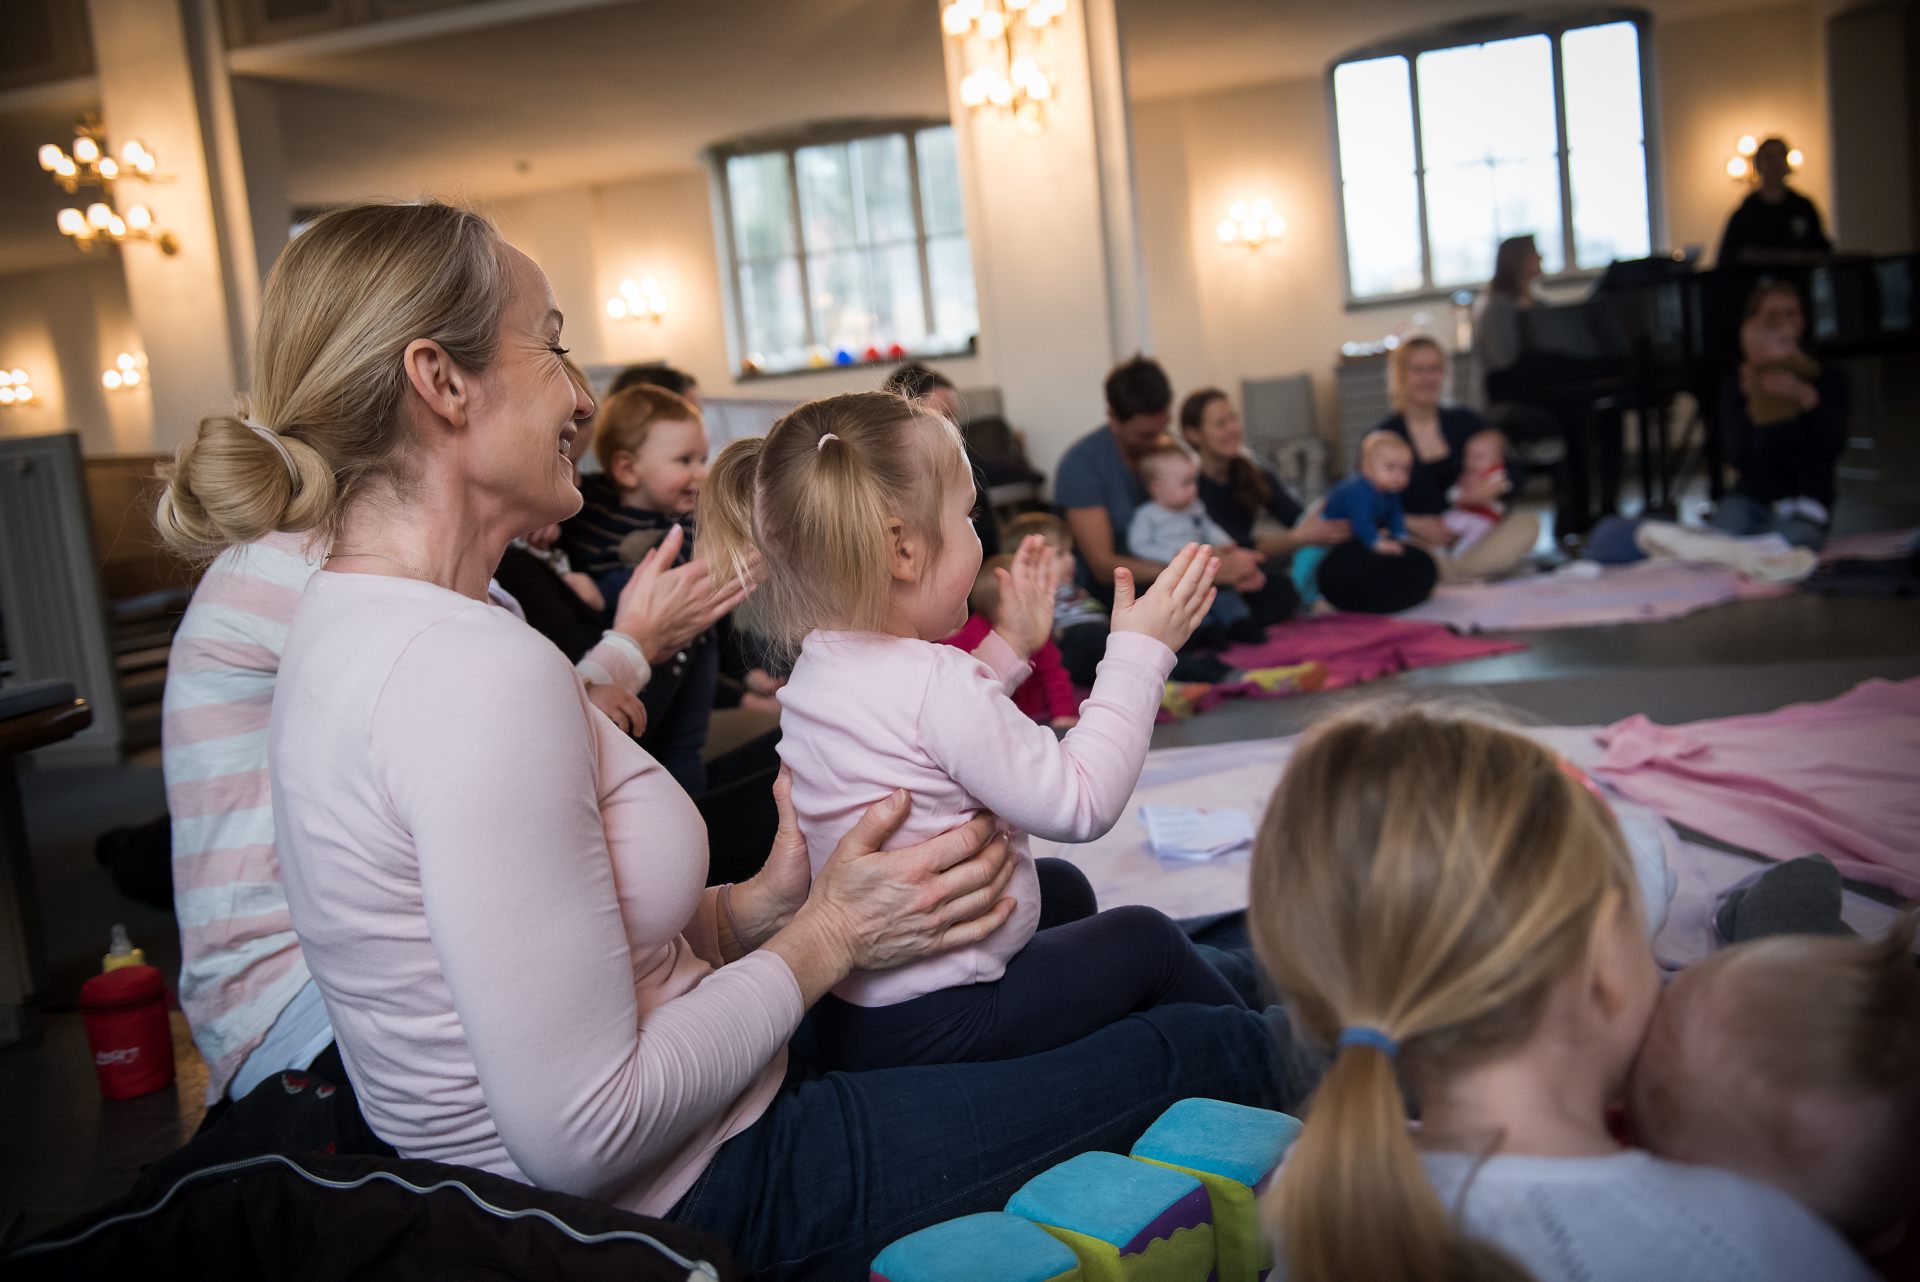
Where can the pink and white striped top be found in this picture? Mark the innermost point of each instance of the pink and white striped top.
(241, 964)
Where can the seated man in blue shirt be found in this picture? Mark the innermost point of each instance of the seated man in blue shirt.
(1097, 491)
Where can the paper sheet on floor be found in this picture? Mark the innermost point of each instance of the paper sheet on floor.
(1586, 595)
(1242, 776)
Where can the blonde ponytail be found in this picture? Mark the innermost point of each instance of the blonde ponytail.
(1431, 876)
(812, 501)
(1356, 1152)
(336, 315)
(726, 544)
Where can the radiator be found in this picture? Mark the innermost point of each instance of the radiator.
(50, 600)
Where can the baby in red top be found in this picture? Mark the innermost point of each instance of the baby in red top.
(1047, 695)
(1483, 457)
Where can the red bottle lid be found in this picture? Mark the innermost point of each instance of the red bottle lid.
(125, 986)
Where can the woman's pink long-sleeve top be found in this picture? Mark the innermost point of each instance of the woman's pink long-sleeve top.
(865, 714)
(501, 898)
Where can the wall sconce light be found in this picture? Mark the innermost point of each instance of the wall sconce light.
(643, 301)
(16, 389)
(128, 373)
(1006, 60)
(1251, 226)
(91, 164)
(1740, 164)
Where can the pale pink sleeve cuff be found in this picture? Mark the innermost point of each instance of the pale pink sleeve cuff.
(617, 660)
(1007, 667)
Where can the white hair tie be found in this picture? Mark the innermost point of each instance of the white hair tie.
(821, 444)
(272, 438)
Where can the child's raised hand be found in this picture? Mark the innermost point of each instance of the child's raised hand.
(1176, 603)
(1025, 617)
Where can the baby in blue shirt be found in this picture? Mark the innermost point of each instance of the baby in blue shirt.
(1370, 499)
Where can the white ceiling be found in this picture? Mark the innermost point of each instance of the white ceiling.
(642, 86)
(622, 90)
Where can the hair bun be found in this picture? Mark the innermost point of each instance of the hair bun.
(233, 484)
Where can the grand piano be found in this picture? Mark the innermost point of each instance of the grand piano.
(1655, 328)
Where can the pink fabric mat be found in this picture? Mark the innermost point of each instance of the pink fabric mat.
(1840, 778)
(1645, 592)
(1242, 776)
(1880, 545)
(1355, 648)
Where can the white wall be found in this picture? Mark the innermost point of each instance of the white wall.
(1756, 73)
(588, 239)
(1221, 315)
(63, 326)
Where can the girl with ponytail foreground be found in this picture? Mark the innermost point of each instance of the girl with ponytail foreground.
(1453, 910)
(500, 896)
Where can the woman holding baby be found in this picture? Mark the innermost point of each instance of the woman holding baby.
(1460, 470)
(1784, 418)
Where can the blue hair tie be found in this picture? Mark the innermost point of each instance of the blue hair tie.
(1361, 1035)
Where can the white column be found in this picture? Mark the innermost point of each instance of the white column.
(185, 306)
(1054, 233)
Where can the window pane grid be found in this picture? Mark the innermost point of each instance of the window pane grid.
(1445, 151)
(870, 252)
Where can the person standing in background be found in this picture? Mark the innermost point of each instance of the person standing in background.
(1775, 222)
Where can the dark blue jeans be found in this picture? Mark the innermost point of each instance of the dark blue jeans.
(1069, 981)
(842, 1164)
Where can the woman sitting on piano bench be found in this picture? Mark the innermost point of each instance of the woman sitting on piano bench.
(1416, 376)
(1534, 393)
(1786, 426)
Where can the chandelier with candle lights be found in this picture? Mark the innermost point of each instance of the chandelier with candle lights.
(91, 163)
(1003, 46)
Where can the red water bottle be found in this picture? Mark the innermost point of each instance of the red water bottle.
(125, 1011)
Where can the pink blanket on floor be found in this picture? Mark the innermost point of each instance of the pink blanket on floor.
(1355, 648)
(1840, 778)
(1879, 545)
(1645, 592)
(1242, 775)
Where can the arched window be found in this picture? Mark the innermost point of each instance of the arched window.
(846, 240)
(1451, 142)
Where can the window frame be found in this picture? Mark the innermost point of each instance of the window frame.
(788, 143)
(1480, 31)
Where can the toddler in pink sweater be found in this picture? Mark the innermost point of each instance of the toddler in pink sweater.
(852, 515)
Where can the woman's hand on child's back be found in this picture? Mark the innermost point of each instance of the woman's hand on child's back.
(1176, 603)
(871, 909)
(1025, 617)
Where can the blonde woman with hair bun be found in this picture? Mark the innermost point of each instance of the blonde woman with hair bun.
(253, 1006)
(1452, 910)
(499, 895)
